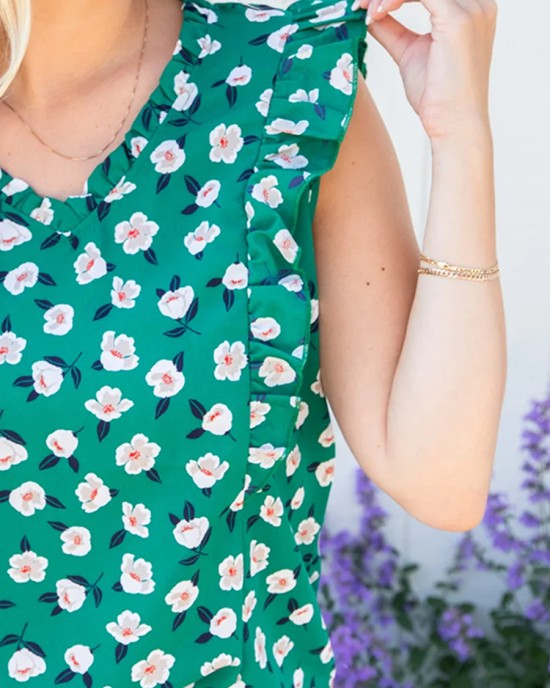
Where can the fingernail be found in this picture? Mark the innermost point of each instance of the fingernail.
(355, 5)
(381, 7)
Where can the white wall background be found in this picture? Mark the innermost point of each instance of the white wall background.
(520, 116)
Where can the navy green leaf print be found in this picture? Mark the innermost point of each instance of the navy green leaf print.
(166, 449)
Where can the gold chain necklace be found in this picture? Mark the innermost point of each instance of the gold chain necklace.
(95, 155)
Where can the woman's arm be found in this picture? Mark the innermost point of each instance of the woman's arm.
(413, 366)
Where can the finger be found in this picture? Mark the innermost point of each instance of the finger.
(393, 36)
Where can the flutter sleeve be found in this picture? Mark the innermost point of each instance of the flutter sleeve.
(322, 48)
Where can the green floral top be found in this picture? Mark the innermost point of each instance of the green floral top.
(166, 452)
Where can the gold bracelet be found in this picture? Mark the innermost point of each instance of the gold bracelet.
(445, 269)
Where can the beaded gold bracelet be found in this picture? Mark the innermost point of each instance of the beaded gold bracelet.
(445, 269)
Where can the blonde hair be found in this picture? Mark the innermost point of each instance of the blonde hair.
(15, 29)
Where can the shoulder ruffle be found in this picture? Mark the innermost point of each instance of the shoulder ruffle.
(323, 48)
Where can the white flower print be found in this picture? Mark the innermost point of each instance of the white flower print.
(136, 519)
(208, 46)
(12, 234)
(136, 234)
(281, 648)
(298, 678)
(186, 92)
(280, 125)
(11, 347)
(59, 319)
(77, 541)
(327, 653)
(79, 658)
(303, 96)
(258, 412)
(137, 575)
(325, 472)
(277, 39)
(92, 493)
(137, 455)
(266, 455)
(118, 353)
(331, 12)
(288, 157)
(239, 76)
(175, 304)
(208, 194)
(24, 664)
(238, 502)
(276, 371)
(14, 186)
(260, 653)
(21, 277)
(90, 265)
(302, 615)
(259, 557)
(223, 623)
(314, 310)
(231, 572)
(286, 244)
(226, 142)
(47, 378)
(11, 453)
(43, 213)
(265, 100)
(124, 294)
(27, 498)
(317, 386)
(271, 510)
(218, 420)
(153, 671)
(230, 359)
(303, 413)
(265, 328)
(168, 157)
(292, 283)
(254, 14)
(62, 443)
(341, 76)
(305, 51)
(70, 596)
(196, 240)
(266, 191)
(27, 566)
(236, 276)
(165, 378)
(307, 530)
(123, 188)
(248, 605)
(281, 581)
(108, 404)
(127, 628)
(327, 438)
(293, 460)
(191, 533)
(219, 662)
(298, 498)
(137, 144)
(207, 470)
(182, 596)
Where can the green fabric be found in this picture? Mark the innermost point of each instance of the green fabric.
(166, 451)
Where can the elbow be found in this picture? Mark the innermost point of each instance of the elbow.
(445, 516)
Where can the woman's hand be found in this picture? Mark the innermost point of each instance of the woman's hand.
(445, 73)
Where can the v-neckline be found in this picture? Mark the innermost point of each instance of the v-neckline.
(18, 198)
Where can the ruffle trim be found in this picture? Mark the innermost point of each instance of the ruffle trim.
(303, 132)
(17, 197)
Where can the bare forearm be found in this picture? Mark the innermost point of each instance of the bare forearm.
(447, 391)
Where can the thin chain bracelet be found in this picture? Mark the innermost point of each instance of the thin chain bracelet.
(445, 269)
